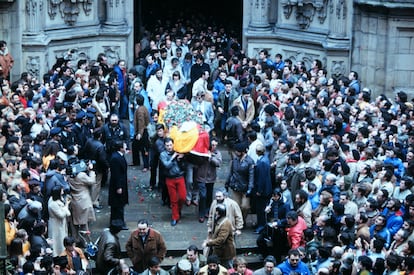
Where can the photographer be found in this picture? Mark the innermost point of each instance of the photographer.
(81, 178)
(95, 150)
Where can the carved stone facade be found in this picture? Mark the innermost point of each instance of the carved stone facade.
(373, 38)
(69, 10)
(40, 31)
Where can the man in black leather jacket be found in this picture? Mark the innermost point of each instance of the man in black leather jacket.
(109, 248)
(241, 178)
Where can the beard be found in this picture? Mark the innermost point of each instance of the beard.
(214, 271)
(220, 201)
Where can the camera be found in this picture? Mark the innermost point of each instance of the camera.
(79, 166)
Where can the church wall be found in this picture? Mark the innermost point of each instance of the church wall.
(374, 38)
(383, 48)
(303, 30)
(40, 31)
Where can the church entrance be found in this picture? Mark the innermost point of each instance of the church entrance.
(153, 14)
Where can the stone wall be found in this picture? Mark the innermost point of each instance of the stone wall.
(302, 30)
(40, 31)
(374, 38)
(383, 48)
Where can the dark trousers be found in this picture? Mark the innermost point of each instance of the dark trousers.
(140, 147)
(260, 210)
(154, 162)
(209, 196)
(273, 241)
(202, 206)
(117, 213)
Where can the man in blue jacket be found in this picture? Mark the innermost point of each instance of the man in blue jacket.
(294, 264)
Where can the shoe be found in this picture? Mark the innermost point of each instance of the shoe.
(133, 164)
(201, 219)
(98, 207)
(195, 203)
(173, 222)
(188, 203)
(125, 227)
(145, 170)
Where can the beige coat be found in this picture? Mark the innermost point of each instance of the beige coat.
(222, 240)
(82, 207)
(58, 224)
(245, 115)
(233, 212)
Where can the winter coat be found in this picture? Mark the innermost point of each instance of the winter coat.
(233, 213)
(173, 168)
(82, 207)
(54, 178)
(245, 114)
(207, 171)
(204, 270)
(58, 224)
(295, 234)
(241, 174)
(301, 268)
(234, 130)
(95, 150)
(262, 180)
(118, 180)
(140, 253)
(222, 240)
(109, 252)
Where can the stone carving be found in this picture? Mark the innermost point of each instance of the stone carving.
(305, 10)
(341, 8)
(33, 65)
(112, 54)
(69, 9)
(74, 54)
(299, 55)
(115, 3)
(338, 69)
(31, 7)
(257, 50)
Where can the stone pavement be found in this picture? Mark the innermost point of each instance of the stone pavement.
(147, 204)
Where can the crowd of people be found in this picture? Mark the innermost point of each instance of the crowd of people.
(325, 165)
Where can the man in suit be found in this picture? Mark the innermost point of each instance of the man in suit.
(204, 109)
(262, 186)
(118, 187)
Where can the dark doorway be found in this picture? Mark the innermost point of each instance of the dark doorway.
(198, 14)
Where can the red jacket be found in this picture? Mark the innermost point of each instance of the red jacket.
(295, 234)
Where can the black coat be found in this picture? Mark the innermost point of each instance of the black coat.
(95, 150)
(118, 166)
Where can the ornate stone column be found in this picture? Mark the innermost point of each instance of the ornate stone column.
(115, 13)
(259, 20)
(338, 19)
(34, 17)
